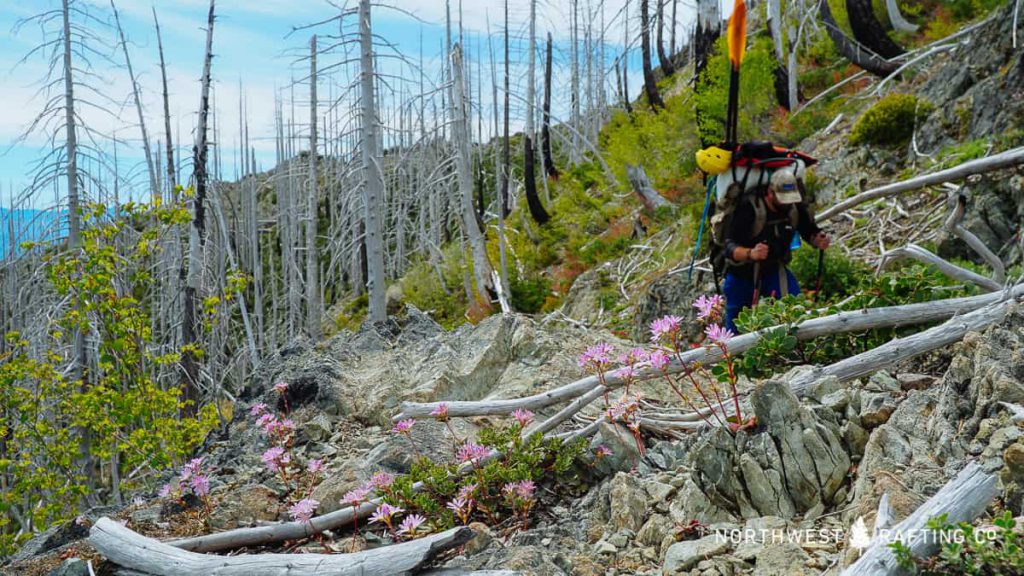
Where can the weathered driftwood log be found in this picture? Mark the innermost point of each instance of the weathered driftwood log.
(888, 354)
(853, 321)
(242, 537)
(915, 252)
(954, 226)
(901, 349)
(137, 552)
(962, 499)
(1006, 159)
(642, 186)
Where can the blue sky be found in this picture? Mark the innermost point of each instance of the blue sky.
(254, 44)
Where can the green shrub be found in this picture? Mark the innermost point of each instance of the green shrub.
(975, 552)
(529, 293)
(891, 120)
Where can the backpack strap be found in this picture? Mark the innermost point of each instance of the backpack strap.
(760, 214)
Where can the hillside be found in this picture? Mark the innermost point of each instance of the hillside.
(604, 424)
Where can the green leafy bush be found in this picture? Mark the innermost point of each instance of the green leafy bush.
(846, 286)
(529, 293)
(972, 552)
(56, 429)
(891, 120)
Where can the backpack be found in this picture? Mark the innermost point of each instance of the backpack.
(750, 169)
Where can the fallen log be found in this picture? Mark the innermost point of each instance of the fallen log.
(915, 252)
(851, 321)
(962, 499)
(139, 553)
(642, 186)
(999, 161)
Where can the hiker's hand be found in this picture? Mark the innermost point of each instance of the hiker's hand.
(821, 241)
(759, 252)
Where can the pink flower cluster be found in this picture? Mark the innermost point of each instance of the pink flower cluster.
(709, 308)
(471, 451)
(665, 330)
(355, 497)
(524, 417)
(410, 526)
(192, 476)
(303, 510)
(440, 412)
(404, 426)
(276, 458)
(521, 491)
(385, 514)
(598, 356)
(382, 481)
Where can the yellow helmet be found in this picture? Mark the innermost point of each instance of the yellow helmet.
(714, 160)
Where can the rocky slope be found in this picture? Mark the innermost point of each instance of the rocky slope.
(685, 506)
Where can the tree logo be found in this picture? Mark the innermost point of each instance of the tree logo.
(860, 538)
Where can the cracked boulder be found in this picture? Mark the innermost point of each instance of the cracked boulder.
(795, 461)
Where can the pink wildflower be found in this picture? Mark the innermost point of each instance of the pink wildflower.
(355, 497)
(382, 481)
(602, 451)
(467, 491)
(440, 412)
(626, 373)
(281, 387)
(275, 458)
(268, 422)
(522, 416)
(658, 359)
(258, 409)
(634, 356)
(599, 356)
(385, 513)
(718, 334)
(665, 329)
(709, 307)
(303, 510)
(462, 507)
(200, 485)
(315, 466)
(403, 426)
(165, 491)
(470, 451)
(410, 525)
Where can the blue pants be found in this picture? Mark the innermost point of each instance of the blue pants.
(739, 293)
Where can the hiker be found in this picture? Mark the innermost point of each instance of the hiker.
(758, 243)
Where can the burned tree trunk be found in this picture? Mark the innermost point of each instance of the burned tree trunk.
(869, 31)
(667, 65)
(850, 49)
(650, 86)
(545, 130)
(197, 232)
(529, 169)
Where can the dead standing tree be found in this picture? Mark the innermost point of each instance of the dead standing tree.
(650, 86)
(197, 232)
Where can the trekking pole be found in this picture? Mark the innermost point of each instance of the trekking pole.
(757, 283)
(821, 273)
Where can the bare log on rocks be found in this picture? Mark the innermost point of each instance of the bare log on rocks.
(642, 186)
(908, 347)
(915, 252)
(958, 202)
(842, 322)
(999, 161)
(954, 226)
(134, 551)
(962, 499)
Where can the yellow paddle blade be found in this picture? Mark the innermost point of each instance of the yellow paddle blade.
(737, 35)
